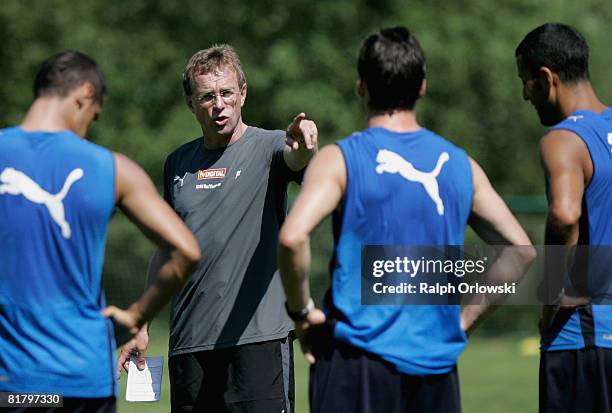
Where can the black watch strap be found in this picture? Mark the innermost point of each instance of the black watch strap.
(300, 315)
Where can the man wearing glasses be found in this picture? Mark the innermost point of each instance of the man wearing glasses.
(230, 348)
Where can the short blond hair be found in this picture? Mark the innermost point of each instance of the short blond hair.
(217, 56)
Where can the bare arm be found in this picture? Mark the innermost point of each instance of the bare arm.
(321, 193)
(139, 344)
(138, 199)
(569, 169)
(492, 220)
(301, 144)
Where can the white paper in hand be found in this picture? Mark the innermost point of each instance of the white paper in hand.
(144, 385)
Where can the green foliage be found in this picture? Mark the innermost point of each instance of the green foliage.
(298, 56)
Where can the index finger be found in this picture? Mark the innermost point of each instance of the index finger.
(296, 121)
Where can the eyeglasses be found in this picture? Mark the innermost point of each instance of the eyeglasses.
(227, 95)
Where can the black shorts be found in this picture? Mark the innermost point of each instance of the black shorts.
(576, 381)
(74, 405)
(254, 377)
(347, 379)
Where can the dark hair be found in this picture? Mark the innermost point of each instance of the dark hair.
(558, 47)
(392, 65)
(62, 72)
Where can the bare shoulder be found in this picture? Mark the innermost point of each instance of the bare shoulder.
(563, 150)
(479, 177)
(329, 158)
(129, 175)
(331, 152)
(127, 168)
(122, 161)
(561, 140)
(474, 165)
(327, 165)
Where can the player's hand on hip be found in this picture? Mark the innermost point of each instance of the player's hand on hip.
(128, 321)
(302, 133)
(564, 302)
(137, 346)
(303, 329)
(568, 301)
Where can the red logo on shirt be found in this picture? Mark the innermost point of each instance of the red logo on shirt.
(211, 173)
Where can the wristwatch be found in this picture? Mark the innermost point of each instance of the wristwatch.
(300, 315)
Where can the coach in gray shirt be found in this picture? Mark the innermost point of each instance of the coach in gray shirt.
(229, 344)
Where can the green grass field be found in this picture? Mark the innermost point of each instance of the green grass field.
(496, 375)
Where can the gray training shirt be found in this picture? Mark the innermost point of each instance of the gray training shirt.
(234, 200)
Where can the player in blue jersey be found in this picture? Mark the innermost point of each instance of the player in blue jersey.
(57, 194)
(394, 183)
(576, 360)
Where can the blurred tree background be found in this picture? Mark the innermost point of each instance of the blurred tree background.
(299, 56)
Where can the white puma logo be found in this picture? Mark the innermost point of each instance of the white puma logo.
(392, 163)
(575, 118)
(15, 182)
(180, 180)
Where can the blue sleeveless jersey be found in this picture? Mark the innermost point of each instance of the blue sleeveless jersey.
(591, 326)
(386, 203)
(56, 198)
